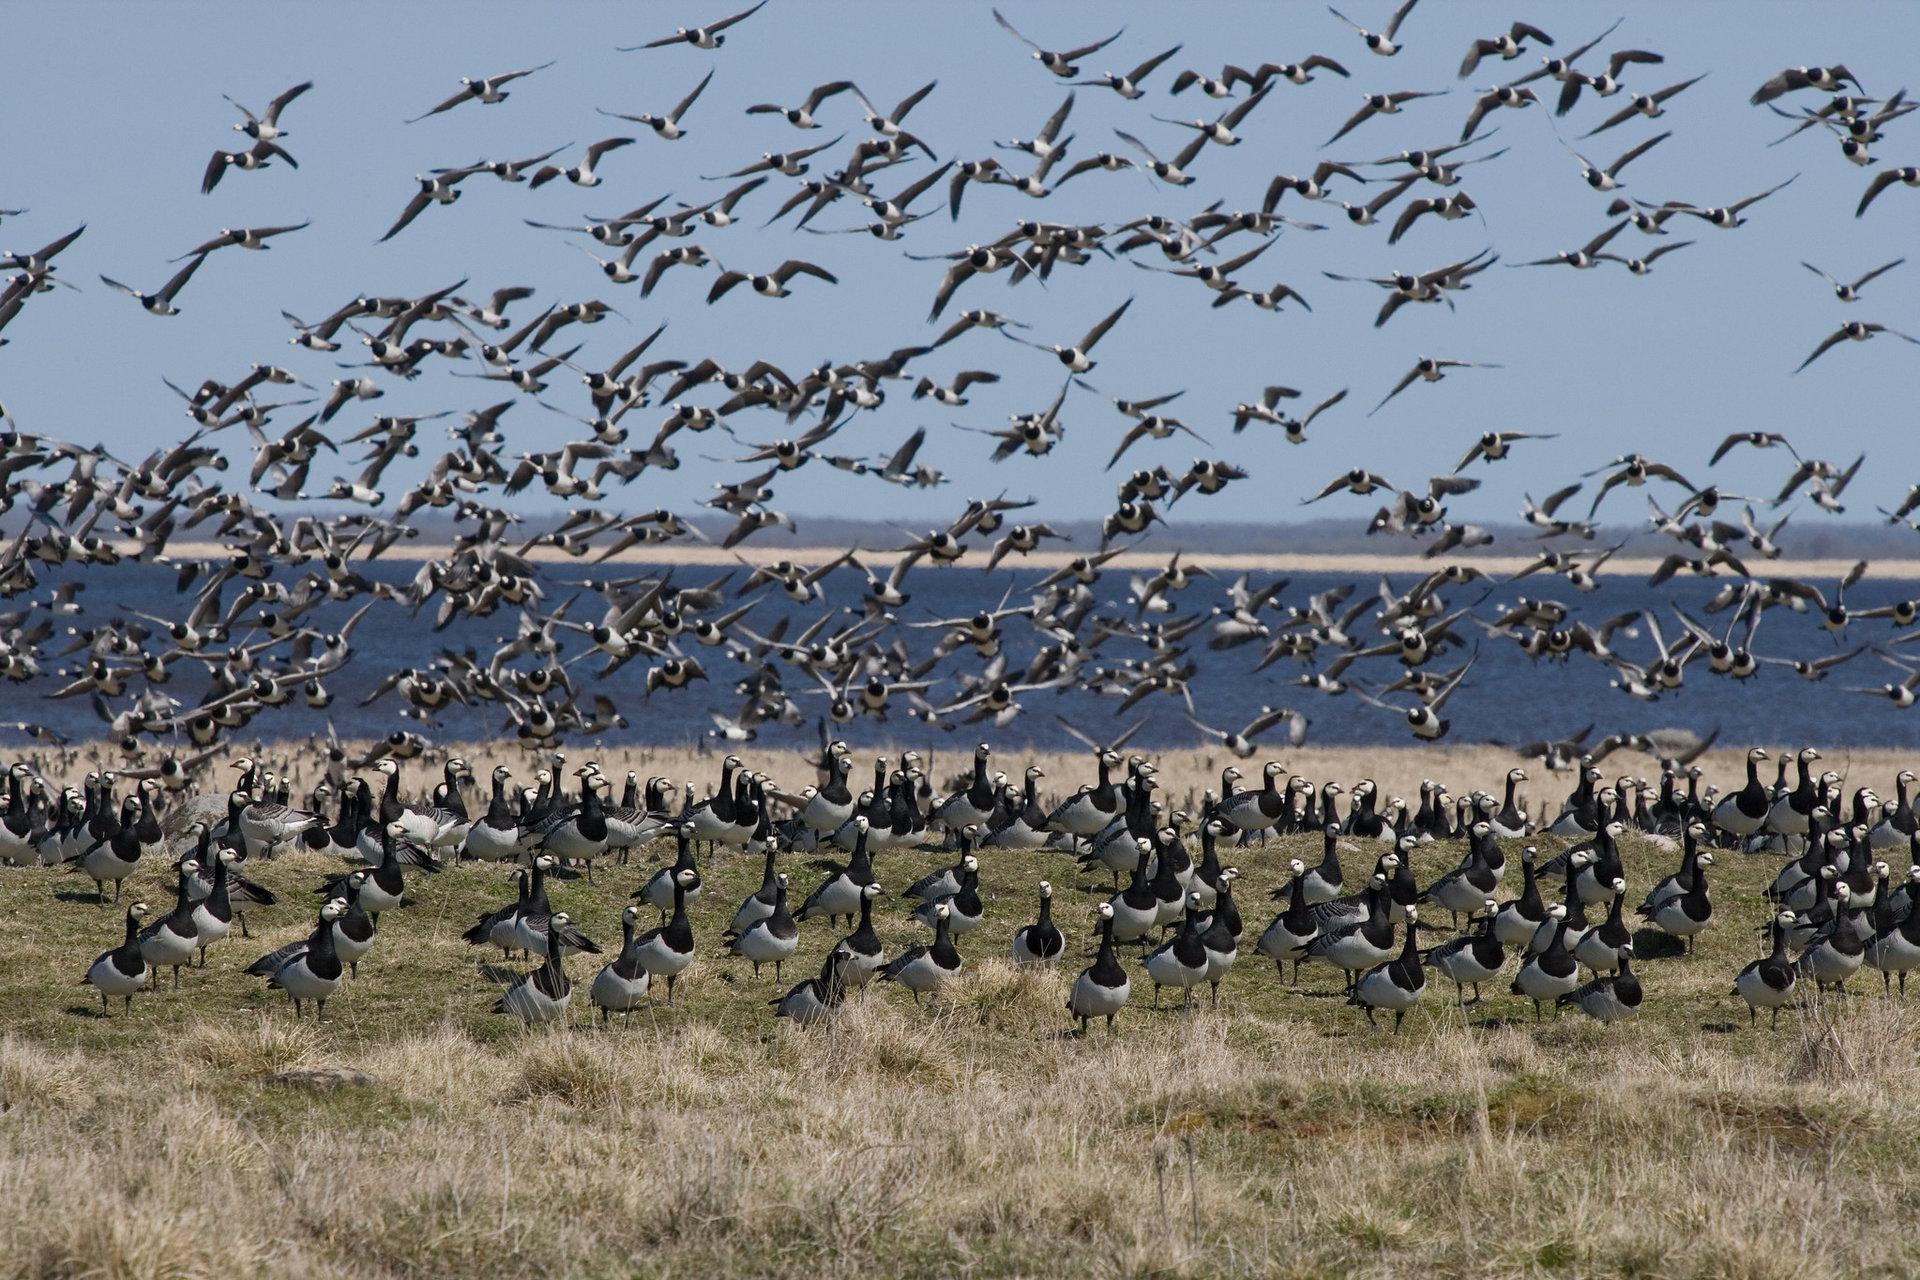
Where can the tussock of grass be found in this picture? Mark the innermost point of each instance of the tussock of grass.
(256, 1045)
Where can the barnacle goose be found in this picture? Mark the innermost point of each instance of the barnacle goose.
(1182, 962)
(1744, 812)
(495, 928)
(659, 890)
(666, 952)
(1102, 987)
(1553, 972)
(1288, 937)
(1040, 942)
(1768, 982)
(309, 970)
(1220, 934)
(1324, 881)
(964, 908)
(1686, 914)
(1602, 948)
(122, 970)
(769, 940)
(495, 836)
(1088, 812)
(1358, 946)
(839, 894)
(621, 985)
(1397, 985)
(1462, 890)
(1837, 952)
(924, 969)
(1613, 997)
(816, 999)
(171, 940)
(1895, 947)
(1470, 959)
(542, 995)
(865, 955)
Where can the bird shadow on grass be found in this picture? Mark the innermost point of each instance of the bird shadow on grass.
(499, 974)
(80, 895)
(1651, 944)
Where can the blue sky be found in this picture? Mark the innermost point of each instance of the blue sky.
(112, 121)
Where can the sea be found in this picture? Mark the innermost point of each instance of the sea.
(1506, 698)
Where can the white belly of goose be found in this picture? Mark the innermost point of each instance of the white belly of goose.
(922, 974)
(302, 983)
(621, 995)
(1089, 999)
(108, 979)
(533, 1006)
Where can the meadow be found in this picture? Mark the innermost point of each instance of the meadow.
(415, 1133)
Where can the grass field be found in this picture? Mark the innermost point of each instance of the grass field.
(1275, 1136)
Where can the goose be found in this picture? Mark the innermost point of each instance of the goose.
(1025, 823)
(666, 952)
(1294, 929)
(171, 940)
(667, 884)
(865, 955)
(1553, 972)
(1323, 881)
(1898, 821)
(1686, 914)
(816, 999)
(383, 887)
(1379, 42)
(1511, 822)
(621, 985)
(579, 836)
(1181, 962)
(1356, 947)
(1397, 985)
(1768, 982)
(770, 940)
(541, 996)
(758, 905)
(832, 804)
(1250, 811)
(1682, 880)
(122, 970)
(1220, 935)
(118, 856)
(496, 928)
(1613, 997)
(1169, 893)
(312, 970)
(839, 894)
(1788, 814)
(428, 826)
(1603, 948)
(1895, 947)
(213, 914)
(1472, 958)
(964, 908)
(1092, 808)
(1463, 890)
(973, 805)
(925, 969)
(1040, 943)
(352, 933)
(1837, 952)
(495, 836)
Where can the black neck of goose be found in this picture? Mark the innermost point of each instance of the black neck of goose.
(683, 851)
(866, 912)
(860, 864)
(132, 939)
(390, 796)
(555, 947)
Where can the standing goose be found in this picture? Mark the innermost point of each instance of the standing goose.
(621, 985)
(1682, 880)
(667, 951)
(495, 836)
(1040, 943)
(1182, 962)
(171, 940)
(265, 824)
(758, 905)
(1220, 934)
(1511, 823)
(1768, 982)
(816, 999)
(1397, 984)
(581, 835)
(1024, 826)
(1250, 811)
(1613, 997)
(1837, 953)
(1472, 958)
(839, 894)
(1603, 949)
(1895, 948)
(311, 970)
(1788, 814)
(1101, 989)
(122, 970)
(832, 804)
(1356, 947)
(664, 884)
(1553, 972)
(973, 805)
(383, 887)
(1092, 808)
(964, 908)
(865, 955)
(770, 940)
(117, 856)
(925, 969)
(1463, 890)
(1294, 929)
(542, 996)
(213, 914)
(1686, 914)
(1324, 881)
(495, 928)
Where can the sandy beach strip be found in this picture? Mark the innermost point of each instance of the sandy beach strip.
(697, 555)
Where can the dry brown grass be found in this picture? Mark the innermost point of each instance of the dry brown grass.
(1274, 1137)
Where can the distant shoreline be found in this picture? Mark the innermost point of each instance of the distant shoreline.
(694, 555)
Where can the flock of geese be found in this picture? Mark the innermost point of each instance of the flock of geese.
(1566, 937)
(271, 593)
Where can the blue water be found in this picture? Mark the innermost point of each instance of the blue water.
(1507, 696)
